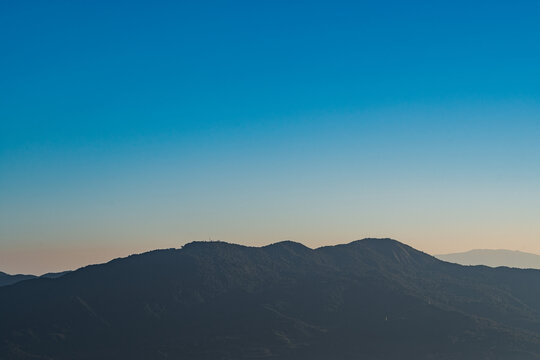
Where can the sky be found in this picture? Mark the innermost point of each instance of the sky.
(127, 126)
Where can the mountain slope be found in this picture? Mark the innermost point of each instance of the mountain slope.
(374, 298)
(494, 258)
(7, 279)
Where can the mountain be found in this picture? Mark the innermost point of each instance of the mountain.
(54, 275)
(370, 299)
(494, 258)
(7, 279)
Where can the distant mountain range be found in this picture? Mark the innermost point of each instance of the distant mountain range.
(7, 279)
(494, 258)
(370, 299)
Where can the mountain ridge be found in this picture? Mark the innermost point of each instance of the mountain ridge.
(494, 258)
(10, 279)
(374, 298)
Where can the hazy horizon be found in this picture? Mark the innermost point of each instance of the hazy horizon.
(41, 259)
(130, 127)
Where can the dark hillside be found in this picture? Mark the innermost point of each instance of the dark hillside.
(374, 298)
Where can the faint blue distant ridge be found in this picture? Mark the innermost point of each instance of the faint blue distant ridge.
(494, 258)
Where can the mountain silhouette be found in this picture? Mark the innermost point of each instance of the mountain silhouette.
(7, 279)
(494, 258)
(370, 299)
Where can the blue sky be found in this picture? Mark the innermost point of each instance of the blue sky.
(126, 126)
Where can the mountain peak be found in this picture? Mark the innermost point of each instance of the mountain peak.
(377, 242)
(383, 252)
(288, 244)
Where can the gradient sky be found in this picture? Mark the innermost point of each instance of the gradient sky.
(133, 125)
